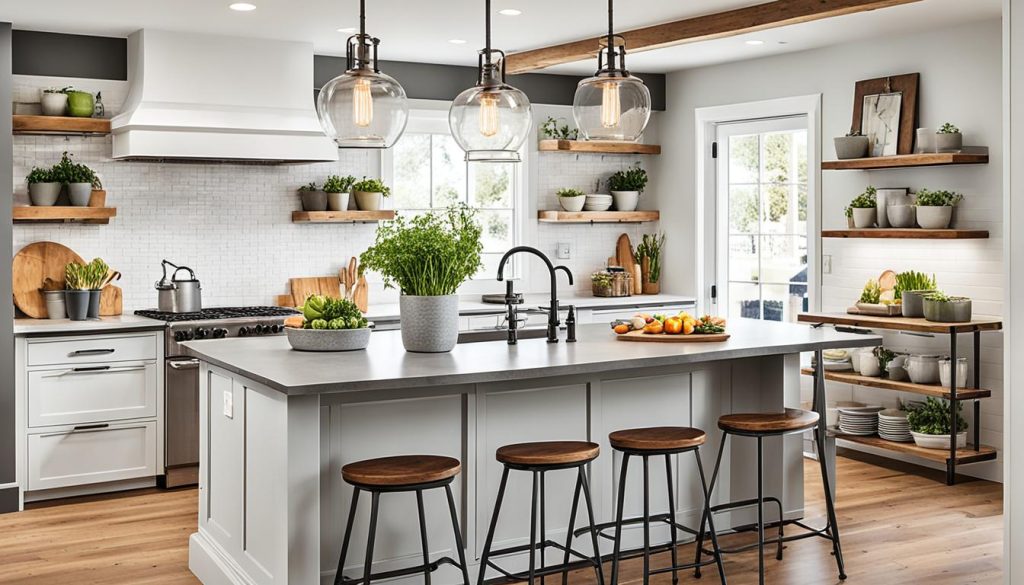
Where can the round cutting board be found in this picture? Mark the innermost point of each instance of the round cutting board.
(32, 265)
(663, 338)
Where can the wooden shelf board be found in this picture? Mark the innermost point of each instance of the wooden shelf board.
(901, 323)
(598, 216)
(598, 147)
(905, 160)
(59, 125)
(907, 234)
(968, 455)
(851, 377)
(34, 214)
(342, 216)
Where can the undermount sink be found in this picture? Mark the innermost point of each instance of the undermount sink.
(499, 335)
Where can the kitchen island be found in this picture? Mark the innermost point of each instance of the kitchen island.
(278, 425)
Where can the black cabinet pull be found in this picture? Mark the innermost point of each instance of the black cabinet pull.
(91, 369)
(92, 427)
(78, 352)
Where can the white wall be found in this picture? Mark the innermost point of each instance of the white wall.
(960, 82)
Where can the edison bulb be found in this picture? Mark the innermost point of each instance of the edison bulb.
(490, 121)
(362, 103)
(611, 105)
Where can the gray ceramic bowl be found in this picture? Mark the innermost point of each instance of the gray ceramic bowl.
(328, 339)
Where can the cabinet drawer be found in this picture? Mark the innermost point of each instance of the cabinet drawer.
(85, 394)
(91, 455)
(93, 348)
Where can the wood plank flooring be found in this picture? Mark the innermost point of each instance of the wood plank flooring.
(897, 528)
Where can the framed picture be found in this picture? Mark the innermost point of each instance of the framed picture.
(880, 122)
(906, 85)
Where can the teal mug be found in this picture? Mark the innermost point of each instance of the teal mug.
(81, 104)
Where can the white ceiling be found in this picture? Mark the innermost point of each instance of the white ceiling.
(422, 31)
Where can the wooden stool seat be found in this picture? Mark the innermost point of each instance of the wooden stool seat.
(657, 438)
(401, 471)
(548, 453)
(792, 419)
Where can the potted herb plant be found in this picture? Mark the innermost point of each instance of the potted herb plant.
(329, 325)
(931, 424)
(911, 288)
(370, 193)
(313, 199)
(571, 199)
(935, 208)
(626, 187)
(948, 139)
(43, 190)
(54, 101)
(853, 145)
(551, 130)
(82, 288)
(427, 258)
(338, 190)
(80, 179)
(942, 308)
(863, 209)
(649, 253)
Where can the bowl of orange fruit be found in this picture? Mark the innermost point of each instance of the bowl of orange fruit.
(680, 327)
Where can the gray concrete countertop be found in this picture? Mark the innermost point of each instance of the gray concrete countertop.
(24, 327)
(386, 365)
(474, 306)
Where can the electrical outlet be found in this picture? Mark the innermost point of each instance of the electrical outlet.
(826, 264)
(563, 251)
(229, 404)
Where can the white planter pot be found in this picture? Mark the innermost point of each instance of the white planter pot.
(848, 147)
(625, 200)
(79, 194)
(368, 201)
(949, 142)
(337, 201)
(429, 324)
(901, 216)
(934, 217)
(938, 441)
(44, 194)
(572, 203)
(53, 104)
(864, 217)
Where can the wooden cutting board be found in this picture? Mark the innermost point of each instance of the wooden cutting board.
(361, 294)
(663, 338)
(624, 252)
(111, 301)
(302, 288)
(33, 264)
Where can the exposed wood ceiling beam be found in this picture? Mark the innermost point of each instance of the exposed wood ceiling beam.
(701, 28)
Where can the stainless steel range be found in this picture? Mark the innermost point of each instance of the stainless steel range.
(181, 375)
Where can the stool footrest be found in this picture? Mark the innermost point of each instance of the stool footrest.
(417, 570)
(662, 518)
(548, 570)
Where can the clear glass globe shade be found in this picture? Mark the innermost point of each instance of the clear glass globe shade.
(491, 123)
(363, 109)
(612, 108)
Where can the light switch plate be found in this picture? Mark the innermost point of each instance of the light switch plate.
(563, 251)
(826, 264)
(229, 404)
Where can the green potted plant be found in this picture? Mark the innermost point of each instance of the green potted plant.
(571, 199)
(910, 289)
(80, 179)
(53, 101)
(626, 187)
(313, 199)
(853, 145)
(551, 130)
(82, 288)
(942, 308)
(648, 251)
(43, 190)
(948, 139)
(370, 193)
(931, 424)
(329, 324)
(338, 190)
(427, 258)
(81, 104)
(863, 209)
(935, 208)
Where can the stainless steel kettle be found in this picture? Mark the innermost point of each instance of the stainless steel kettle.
(178, 295)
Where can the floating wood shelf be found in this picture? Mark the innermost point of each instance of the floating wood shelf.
(598, 147)
(901, 323)
(54, 213)
(968, 455)
(342, 216)
(598, 216)
(907, 234)
(906, 160)
(934, 390)
(59, 125)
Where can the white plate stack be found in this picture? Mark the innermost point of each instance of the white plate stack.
(893, 426)
(597, 202)
(859, 421)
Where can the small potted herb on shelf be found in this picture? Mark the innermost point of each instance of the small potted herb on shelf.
(370, 194)
(935, 208)
(949, 139)
(82, 288)
(552, 131)
(329, 324)
(79, 178)
(338, 190)
(571, 199)
(648, 251)
(853, 145)
(930, 424)
(863, 210)
(911, 288)
(942, 308)
(43, 190)
(626, 187)
(53, 101)
(313, 199)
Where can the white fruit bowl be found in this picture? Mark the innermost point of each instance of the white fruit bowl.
(328, 339)
(938, 441)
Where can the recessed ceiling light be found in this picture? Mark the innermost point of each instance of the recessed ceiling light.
(242, 6)
(755, 42)
(510, 12)
(457, 41)
(349, 29)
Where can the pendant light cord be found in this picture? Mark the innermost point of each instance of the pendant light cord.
(611, 35)
(362, 19)
(487, 32)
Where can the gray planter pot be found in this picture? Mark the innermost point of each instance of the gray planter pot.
(79, 194)
(429, 324)
(913, 302)
(956, 311)
(94, 304)
(901, 216)
(77, 304)
(864, 217)
(44, 194)
(328, 339)
(55, 304)
(934, 217)
(949, 142)
(313, 200)
(368, 201)
(337, 201)
(848, 147)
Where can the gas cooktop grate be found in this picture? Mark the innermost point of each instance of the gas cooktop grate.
(217, 313)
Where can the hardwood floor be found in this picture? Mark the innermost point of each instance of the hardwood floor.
(897, 528)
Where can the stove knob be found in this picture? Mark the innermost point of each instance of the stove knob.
(190, 335)
(220, 333)
(179, 336)
(243, 332)
(261, 329)
(202, 333)
(275, 328)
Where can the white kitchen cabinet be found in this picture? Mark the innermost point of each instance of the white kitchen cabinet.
(92, 348)
(85, 394)
(91, 454)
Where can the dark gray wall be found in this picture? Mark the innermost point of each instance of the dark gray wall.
(61, 55)
(7, 436)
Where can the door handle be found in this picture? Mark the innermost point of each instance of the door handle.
(91, 369)
(79, 352)
(91, 427)
(189, 364)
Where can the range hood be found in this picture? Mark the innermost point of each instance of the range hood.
(206, 97)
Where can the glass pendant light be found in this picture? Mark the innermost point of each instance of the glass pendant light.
(612, 105)
(362, 107)
(491, 120)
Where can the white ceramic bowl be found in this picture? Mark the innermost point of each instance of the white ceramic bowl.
(572, 203)
(328, 339)
(938, 441)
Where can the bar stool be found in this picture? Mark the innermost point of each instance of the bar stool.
(406, 473)
(759, 426)
(538, 459)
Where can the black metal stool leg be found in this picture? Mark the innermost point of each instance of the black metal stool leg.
(710, 517)
(423, 537)
(494, 524)
(533, 528)
(339, 576)
(459, 545)
(618, 519)
(706, 516)
(830, 507)
(593, 529)
(572, 525)
(647, 523)
(543, 531)
(672, 517)
(760, 511)
(368, 566)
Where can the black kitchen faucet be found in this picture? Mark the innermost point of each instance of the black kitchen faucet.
(552, 270)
